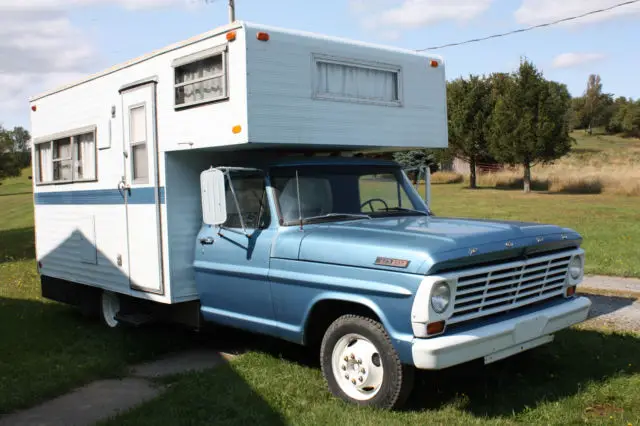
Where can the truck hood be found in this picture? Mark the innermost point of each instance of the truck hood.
(429, 244)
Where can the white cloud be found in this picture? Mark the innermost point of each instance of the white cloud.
(569, 60)
(533, 12)
(394, 15)
(41, 48)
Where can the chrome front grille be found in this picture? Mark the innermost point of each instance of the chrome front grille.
(490, 290)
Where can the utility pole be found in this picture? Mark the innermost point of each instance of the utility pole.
(232, 11)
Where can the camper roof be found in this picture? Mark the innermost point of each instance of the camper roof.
(217, 31)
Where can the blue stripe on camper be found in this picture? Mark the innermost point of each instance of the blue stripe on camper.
(98, 196)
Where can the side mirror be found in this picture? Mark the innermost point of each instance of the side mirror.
(212, 194)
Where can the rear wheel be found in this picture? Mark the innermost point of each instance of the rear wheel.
(109, 308)
(361, 365)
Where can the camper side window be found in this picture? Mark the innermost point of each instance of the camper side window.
(67, 158)
(201, 80)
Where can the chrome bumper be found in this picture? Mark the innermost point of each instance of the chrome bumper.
(499, 340)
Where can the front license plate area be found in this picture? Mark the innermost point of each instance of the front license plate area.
(521, 347)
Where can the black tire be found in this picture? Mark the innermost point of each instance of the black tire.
(398, 378)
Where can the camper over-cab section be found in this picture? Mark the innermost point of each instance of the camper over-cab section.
(246, 83)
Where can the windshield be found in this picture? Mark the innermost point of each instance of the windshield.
(343, 193)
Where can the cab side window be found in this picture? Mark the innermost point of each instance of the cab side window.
(251, 194)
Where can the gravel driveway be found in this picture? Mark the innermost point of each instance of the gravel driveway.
(615, 313)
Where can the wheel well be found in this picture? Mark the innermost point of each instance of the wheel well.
(325, 312)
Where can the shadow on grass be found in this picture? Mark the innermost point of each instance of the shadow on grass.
(17, 244)
(604, 305)
(16, 193)
(50, 349)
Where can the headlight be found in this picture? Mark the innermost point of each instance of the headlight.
(440, 297)
(575, 268)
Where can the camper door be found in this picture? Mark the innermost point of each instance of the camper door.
(140, 185)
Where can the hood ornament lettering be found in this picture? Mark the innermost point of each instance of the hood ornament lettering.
(473, 251)
(509, 244)
(395, 263)
(540, 239)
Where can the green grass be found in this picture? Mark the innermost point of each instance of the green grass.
(583, 377)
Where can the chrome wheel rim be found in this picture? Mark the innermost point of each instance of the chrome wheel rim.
(357, 367)
(110, 308)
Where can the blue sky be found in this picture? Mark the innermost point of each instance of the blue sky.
(45, 43)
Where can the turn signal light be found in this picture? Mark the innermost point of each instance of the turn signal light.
(435, 328)
(571, 291)
(231, 35)
(263, 36)
(236, 129)
(434, 63)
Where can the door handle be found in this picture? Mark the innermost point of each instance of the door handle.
(122, 186)
(206, 240)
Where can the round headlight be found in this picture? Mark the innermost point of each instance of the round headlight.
(575, 268)
(440, 297)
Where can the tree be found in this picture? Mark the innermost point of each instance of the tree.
(469, 107)
(21, 138)
(595, 103)
(415, 158)
(530, 122)
(626, 117)
(9, 166)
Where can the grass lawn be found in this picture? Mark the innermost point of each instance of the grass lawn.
(583, 377)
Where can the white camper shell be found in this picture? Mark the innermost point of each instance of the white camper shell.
(117, 156)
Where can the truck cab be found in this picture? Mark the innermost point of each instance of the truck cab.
(344, 255)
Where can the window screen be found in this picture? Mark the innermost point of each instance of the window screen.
(346, 81)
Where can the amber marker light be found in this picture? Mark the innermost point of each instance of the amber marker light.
(262, 36)
(236, 129)
(435, 328)
(434, 63)
(571, 291)
(231, 36)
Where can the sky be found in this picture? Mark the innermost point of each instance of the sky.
(48, 43)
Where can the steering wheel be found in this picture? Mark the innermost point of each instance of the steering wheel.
(370, 202)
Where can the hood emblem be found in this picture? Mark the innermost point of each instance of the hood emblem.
(565, 236)
(473, 251)
(395, 263)
(540, 239)
(509, 244)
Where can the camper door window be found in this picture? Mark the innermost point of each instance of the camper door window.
(200, 81)
(66, 158)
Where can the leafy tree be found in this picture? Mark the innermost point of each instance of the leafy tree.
(626, 117)
(530, 122)
(21, 138)
(9, 166)
(469, 107)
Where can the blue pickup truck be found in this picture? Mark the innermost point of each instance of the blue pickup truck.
(344, 255)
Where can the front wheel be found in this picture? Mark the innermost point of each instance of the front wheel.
(361, 365)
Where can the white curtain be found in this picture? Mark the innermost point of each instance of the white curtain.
(45, 165)
(351, 81)
(86, 162)
(206, 89)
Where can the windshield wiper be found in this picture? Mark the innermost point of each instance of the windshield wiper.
(336, 216)
(402, 209)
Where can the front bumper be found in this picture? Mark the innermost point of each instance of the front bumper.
(499, 340)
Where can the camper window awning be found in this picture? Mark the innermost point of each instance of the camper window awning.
(178, 62)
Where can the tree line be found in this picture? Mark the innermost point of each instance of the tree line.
(521, 118)
(598, 109)
(15, 153)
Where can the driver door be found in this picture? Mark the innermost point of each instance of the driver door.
(232, 263)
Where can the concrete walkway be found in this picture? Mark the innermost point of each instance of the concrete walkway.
(104, 399)
(611, 284)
